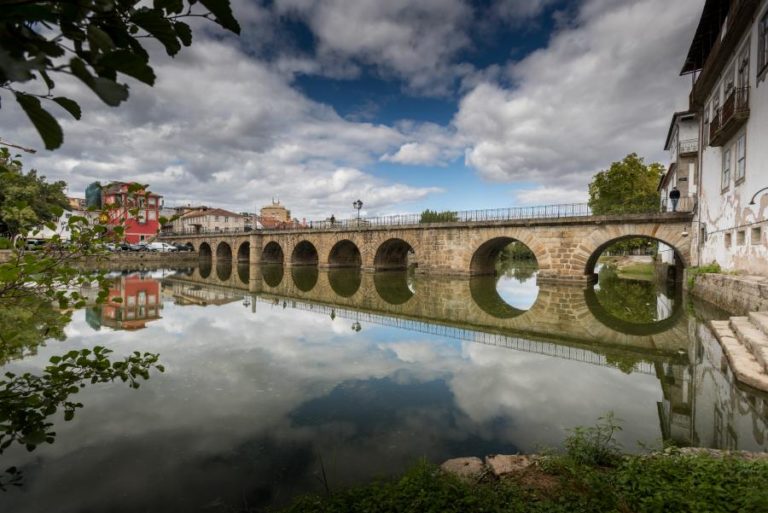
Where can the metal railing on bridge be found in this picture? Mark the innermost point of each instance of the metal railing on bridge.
(561, 211)
(479, 337)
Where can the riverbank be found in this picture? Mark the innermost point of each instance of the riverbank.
(677, 480)
(631, 267)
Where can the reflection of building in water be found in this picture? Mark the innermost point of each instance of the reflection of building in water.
(703, 405)
(665, 304)
(139, 303)
(191, 294)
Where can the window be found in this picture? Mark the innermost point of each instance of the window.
(728, 82)
(726, 178)
(706, 125)
(762, 44)
(757, 235)
(741, 158)
(727, 240)
(716, 102)
(226, 219)
(216, 218)
(742, 73)
(741, 237)
(151, 215)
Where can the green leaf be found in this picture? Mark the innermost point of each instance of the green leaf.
(159, 27)
(70, 106)
(223, 12)
(46, 125)
(183, 32)
(99, 40)
(130, 64)
(172, 6)
(109, 91)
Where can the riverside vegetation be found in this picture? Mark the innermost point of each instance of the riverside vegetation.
(592, 475)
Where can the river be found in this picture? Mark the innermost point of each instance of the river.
(285, 381)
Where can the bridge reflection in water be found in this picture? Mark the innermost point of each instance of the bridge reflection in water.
(567, 322)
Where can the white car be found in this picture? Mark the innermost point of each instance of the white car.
(162, 247)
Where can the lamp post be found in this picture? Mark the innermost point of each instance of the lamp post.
(752, 202)
(358, 205)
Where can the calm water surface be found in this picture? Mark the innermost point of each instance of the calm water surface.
(273, 374)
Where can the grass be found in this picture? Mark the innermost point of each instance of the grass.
(592, 476)
(692, 272)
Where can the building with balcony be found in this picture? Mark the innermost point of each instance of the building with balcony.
(138, 211)
(728, 60)
(683, 146)
(139, 303)
(205, 219)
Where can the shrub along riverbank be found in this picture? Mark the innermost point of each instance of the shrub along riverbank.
(592, 476)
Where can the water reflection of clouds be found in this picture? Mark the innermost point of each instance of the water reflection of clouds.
(518, 293)
(234, 377)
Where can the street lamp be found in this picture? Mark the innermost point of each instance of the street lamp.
(752, 202)
(358, 205)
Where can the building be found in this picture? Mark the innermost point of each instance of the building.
(119, 200)
(207, 219)
(728, 60)
(683, 146)
(276, 211)
(76, 203)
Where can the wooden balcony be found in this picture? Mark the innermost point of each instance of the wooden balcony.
(730, 117)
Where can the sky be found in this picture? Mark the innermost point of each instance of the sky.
(439, 104)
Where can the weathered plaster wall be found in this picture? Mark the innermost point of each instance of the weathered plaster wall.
(725, 211)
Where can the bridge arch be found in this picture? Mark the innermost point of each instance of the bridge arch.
(345, 253)
(205, 267)
(205, 252)
(590, 254)
(223, 269)
(224, 252)
(393, 254)
(304, 253)
(393, 288)
(484, 258)
(272, 253)
(304, 277)
(244, 272)
(345, 282)
(244, 252)
(272, 275)
(190, 246)
(485, 294)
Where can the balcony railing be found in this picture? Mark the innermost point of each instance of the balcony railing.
(730, 117)
(684, 204)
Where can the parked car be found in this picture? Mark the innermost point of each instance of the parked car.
(33, 244)
(162, 247)
(182, 247)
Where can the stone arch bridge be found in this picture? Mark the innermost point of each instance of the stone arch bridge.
(566, 248)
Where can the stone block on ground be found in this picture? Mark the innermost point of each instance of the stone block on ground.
(470, 469)
(505, 464)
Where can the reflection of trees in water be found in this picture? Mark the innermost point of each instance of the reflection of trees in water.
(272, 274)
(26, 323)
(628, 300)
(520, 270)
(304, 277)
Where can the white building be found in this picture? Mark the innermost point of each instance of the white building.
(729, 62)
(211, 220)
(683, 146)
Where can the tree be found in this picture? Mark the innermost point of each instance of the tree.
(627, 187)
(93, 41)
(27, 201)
(433, 216)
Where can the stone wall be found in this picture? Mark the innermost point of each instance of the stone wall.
(734, 293)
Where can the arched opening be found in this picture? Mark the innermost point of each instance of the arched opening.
(272, 274)
(205, 266)
(205, 253)
(345, 282)
(510, 270)
(272, 253)
(189, 246)
(304, 254)
(345, 254)
(244, 252)
(304, 277)
(244, 272)
(223, 269)
(485, 294)
(394, 255)
(393, 287)
(637, 283)
(224, 252)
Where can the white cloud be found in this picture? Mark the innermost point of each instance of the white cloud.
(222, 129)
(413, 153)
(605, 86)
(550, 196)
